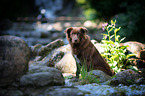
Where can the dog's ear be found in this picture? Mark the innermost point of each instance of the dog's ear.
(83, 30)
(68, 30)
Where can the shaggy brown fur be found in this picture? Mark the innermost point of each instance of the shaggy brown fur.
(83, 50)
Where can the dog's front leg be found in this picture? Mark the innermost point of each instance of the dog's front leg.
(88, 64)
(78, 65)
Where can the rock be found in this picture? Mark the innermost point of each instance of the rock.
(14, 58)
(142, 54)
(98, 46)
(35, 49)
(99, 75)
(134, 47)
(45, 50)
(127, 77)
(57, 56)
(67, 64)
(65, 92)
(41, 76)
(52, 58)
(100, 90)
(44, 35)
(141, 66)
(11, 92)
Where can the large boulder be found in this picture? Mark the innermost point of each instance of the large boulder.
(99, 75)
(42, 76)
(14, 58)
(134, 47)
(127, 77)
(67, 64)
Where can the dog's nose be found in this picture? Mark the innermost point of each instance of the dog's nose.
(76, 40)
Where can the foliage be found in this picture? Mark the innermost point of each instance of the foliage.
(130, 15)
(88, 12)
(114, 53)
(87, 78)
(68, 77)
(132, 23)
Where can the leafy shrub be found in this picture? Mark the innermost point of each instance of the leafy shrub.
(114, 53)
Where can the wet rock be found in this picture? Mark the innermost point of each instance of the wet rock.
(67, 64)
(132, 90)
(14, 58)
(134, 47)
(41, 76)
(127, 77)
(100, 90)
(99, 75)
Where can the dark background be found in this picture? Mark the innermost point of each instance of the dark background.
(130, 14)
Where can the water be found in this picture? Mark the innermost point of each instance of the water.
(49, 7)
(107, 90)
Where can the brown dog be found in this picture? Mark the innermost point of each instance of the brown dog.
(84, 51)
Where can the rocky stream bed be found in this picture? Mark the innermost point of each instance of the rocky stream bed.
(37, 63)
(51, 71)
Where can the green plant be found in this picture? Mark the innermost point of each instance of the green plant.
(113, 52)
(68, 77)
(87, 78)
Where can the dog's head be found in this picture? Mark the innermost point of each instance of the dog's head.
(76, 34)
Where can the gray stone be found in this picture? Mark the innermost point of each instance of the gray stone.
(127, 77)
(11, 92)
(99, 75)
(65, 92)
(14, 58)
(41, 76)
(57, 55)
(45, 50)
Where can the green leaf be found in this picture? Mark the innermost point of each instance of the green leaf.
(112, 36)
(110, 29)
(105, 34)
(112, 22)
(116, 30)
(122, 39)
(129, 55)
